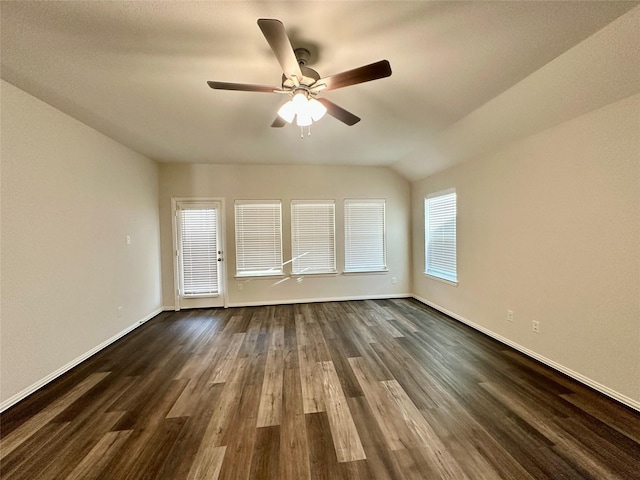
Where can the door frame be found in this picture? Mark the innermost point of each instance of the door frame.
(222, 280)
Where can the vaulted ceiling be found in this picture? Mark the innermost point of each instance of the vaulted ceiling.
(467, 76)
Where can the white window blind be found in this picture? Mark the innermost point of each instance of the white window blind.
(440, 236)
(364, 236)
(198, 252)
(313, 246)
(258, 238)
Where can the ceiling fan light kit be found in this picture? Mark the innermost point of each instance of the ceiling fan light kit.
(303, 84)
(305, 108)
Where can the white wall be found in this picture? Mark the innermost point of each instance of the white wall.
(70, 196)
(298, 183)
(549, 227)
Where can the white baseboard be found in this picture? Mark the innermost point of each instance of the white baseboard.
(630, 402)
(64, 369)
(318, 300)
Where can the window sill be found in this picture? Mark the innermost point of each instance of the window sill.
(253, 277)
(439, 279)
(319, 274)
(366, 272)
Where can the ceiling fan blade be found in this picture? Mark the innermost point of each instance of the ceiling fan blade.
(339, 112)
(363, 74)
(278, 122)
(243, 87)
(273, 30)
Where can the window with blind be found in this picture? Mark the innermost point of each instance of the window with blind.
(198, 252)
(440, 235)
(364, 236)
(313, 246)
(258, 238)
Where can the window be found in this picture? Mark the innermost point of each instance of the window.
(364, 236)
(198, 251)
(440, 235)
(258, 238)
(313, 246)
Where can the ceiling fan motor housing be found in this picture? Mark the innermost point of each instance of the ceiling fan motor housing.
(309, 77)
(302, 55)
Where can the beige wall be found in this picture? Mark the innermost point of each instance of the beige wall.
(70, 196)
(549, 227)
(286, 183)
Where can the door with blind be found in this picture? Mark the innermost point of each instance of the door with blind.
(199, 262)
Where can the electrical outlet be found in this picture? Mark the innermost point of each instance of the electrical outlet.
(509, 315)
(239, 287)
(119, 311)
(394, 280)
(128, 239)
(536, 326)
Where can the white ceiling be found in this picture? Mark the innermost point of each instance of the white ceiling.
(467, 76)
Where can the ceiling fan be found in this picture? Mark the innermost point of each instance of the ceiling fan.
(302, 83)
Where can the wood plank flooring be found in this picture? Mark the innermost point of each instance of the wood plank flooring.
(386, 389)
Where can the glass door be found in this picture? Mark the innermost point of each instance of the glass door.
(199, 254)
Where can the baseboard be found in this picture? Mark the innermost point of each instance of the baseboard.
(318, 300)
(628, 401)
(64, 369)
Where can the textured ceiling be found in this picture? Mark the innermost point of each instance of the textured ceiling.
(467, 76)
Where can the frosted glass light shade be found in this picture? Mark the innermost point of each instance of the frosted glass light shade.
(303, 119)
(307, 110)
(287, 111)
(300, 103)
(316, 109)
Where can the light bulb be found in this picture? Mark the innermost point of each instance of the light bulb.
(316, 109)
(303, 119)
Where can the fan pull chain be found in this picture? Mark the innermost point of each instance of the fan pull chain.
(302, 132)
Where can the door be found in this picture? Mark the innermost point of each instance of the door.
(199, 254)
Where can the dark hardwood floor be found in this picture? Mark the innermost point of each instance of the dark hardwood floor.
(386, 389)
